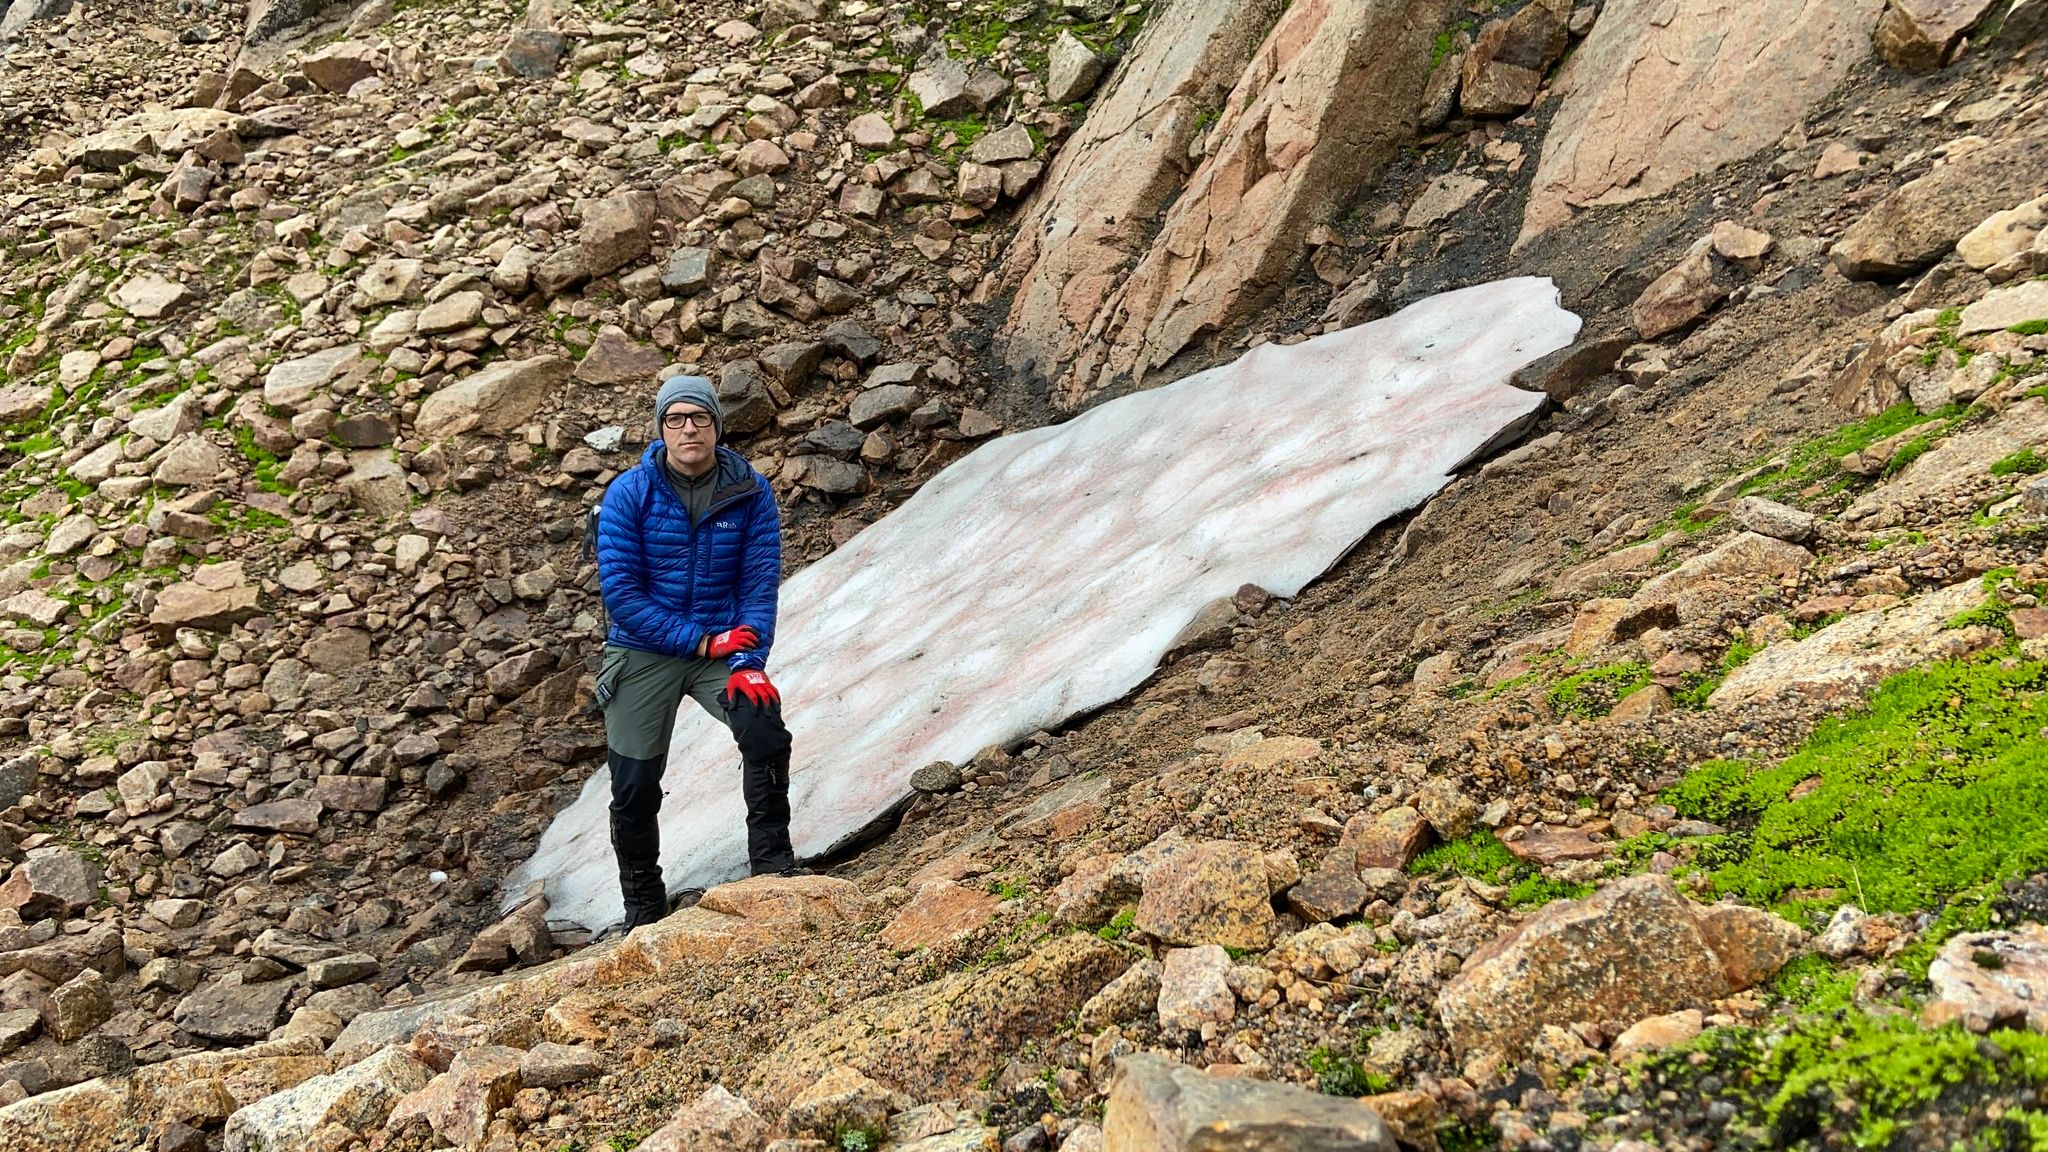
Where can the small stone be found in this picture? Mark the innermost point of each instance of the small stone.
(1194, 989)
(1770, 518)
(298, 817)
(1655, 1034)
(1010, 142)
(1073, 69)
(1178, 1107)
(54, 881)
(337, 971)
(533, 53)
(149, 297)
(229, 1011)
(1391, 839)
(340, 67)
(1682, 295)
(842, 1100)
(881, 405)
(459, 310)
(688, 271)
(1210, 892)
(78, 1006)
(937, 777)
(549, 1065)
(871, 130)
(1445, 806)
(1125, 998)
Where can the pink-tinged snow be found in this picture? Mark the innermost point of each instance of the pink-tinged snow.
(1045, 574)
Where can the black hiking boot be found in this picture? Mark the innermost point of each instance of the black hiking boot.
(641, 888)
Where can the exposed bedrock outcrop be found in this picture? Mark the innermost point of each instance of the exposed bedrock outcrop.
(17, 16)
(1314, 116)
(1664, 90)
(1104, 196)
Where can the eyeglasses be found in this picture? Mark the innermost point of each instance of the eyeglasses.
(691, 419)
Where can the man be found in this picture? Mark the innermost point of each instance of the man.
(689, 551)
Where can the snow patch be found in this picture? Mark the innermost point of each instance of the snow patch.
(1045, 574)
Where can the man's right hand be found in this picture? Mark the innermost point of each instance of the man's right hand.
(732, 640)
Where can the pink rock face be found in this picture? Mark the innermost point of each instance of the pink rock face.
(1107, 187)
(1666, 89)
(1045, 573)
(1317, 113)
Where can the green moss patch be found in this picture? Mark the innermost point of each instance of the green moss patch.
(1342, 1074)
(1481, 856)
(2026, 461)
(1595, 692)
(1816, 461)
(1697, 688)
(1484, 858)
(1928, 799)
(1853, 1079)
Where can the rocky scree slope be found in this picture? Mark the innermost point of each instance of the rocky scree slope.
(311, 368)
(1794, 462)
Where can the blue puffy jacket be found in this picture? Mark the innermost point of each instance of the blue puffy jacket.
(669, 583)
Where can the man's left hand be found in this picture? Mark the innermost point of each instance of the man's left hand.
(723, 644)
(753, 687)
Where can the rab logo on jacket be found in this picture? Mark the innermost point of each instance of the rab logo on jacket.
(727, 524)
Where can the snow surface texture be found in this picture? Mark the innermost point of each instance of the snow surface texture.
(1046, 573)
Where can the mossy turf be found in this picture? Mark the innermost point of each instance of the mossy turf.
(1858, 1080)
(1484, 858)
(1929, 802)
(1816, 462)
(1594, 692)
(1934, 794)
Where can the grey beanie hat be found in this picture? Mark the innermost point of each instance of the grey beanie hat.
(689, 390)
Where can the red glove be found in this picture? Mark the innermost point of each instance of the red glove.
(753, 687)
(732, 640)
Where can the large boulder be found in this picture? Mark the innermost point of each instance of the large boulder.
(216, 598)
(1664, 90)
(495, 400)
(1214, 892)
(939, 911)
(1682, 295)
(1920, 35)
(54, 881)
(1990, 979)
(271, 18)
(16, 17)
(1750, 557)
(1845, 660)
(1072, 69)
(358, 1098)
(1507, 61)
(716, 1119)
(1635, 948)
(340, 67)
(231, 1011)
(459, 1103)
(1156, 1105)
(616, 231)
(89, 1115)
(809, 903)
(1918, 224)
(291, 383)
